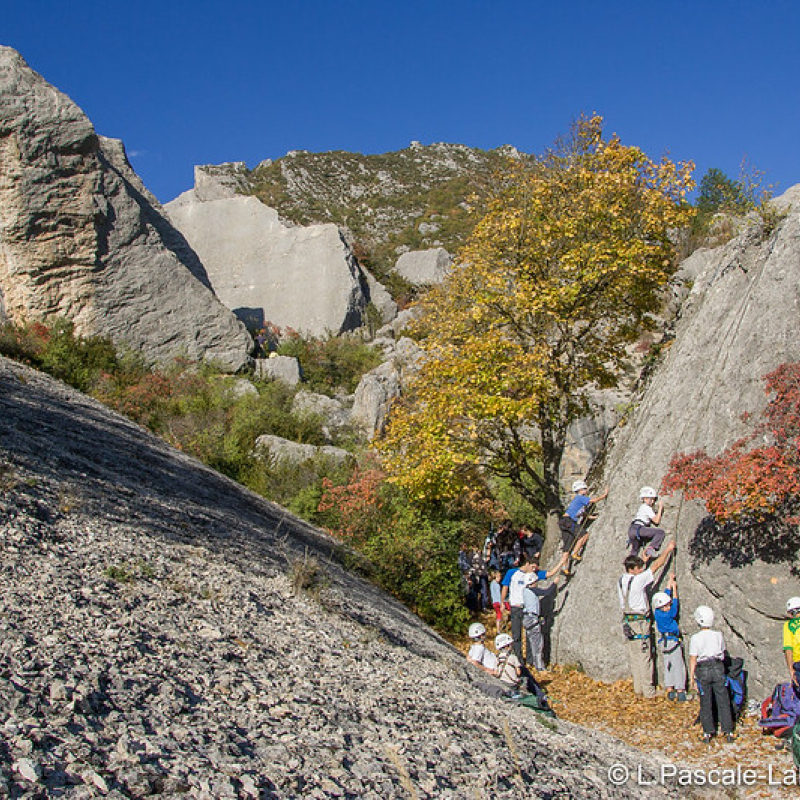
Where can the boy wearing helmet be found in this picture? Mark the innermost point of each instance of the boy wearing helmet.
(706, 666)
(665, 613)
(644, 526)
(479, 655)
(509, 669)
(791, 642)
(574, 518)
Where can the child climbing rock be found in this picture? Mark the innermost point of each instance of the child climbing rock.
(644, 526)
(573, 522)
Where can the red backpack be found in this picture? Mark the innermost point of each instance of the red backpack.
(780, 711)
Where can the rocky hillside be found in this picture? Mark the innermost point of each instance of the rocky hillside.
(740, 321)
(411, 199)
(155, 641)
(80, 236)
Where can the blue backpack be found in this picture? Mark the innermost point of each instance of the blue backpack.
(780, 711)
(736, 680)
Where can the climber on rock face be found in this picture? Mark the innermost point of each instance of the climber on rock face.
(644, 528)
(574, 521)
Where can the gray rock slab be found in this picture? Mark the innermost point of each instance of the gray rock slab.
(279, 368)
(304, 278)
(164, 597)
(83, 238)
(424, 267)
(739, 322)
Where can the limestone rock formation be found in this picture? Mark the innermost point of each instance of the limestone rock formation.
(156, 640)
(82, 238)
(424, 267)
(297, 277)
(276, 449)
(334, 412)
(279, 368)
(740, 321)
(379, 387)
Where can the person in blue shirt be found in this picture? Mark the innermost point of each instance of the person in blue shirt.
(665, 611)
(573, 522)
(513, 587)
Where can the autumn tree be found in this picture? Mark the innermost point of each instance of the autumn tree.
(757, 477)
(560, 275)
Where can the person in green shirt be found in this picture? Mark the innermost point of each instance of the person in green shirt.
(791, 642)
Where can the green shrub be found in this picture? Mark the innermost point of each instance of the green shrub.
(413, 548)
(331, 364)
(56, 350)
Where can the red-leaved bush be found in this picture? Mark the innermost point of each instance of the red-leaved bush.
(759, 475)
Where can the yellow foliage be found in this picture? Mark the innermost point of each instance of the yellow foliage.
(558, 277)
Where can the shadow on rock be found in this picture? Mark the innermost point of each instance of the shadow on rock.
(772, 541)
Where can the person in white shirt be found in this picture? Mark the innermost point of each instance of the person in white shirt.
(479, 655)
(706, 665)
(516, 599)
(644, 527)
(633, 600)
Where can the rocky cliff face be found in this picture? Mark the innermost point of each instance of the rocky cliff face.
(740, 321)
(82, 238)
(155, 640)
(304, 278)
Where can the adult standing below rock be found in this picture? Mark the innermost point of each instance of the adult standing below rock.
(632, 590)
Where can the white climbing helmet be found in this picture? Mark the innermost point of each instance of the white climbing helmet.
(704, 616)
(476, 630)
(502, 640)
(647, 491)
(661, 599)
(578, 485)
(793, 606)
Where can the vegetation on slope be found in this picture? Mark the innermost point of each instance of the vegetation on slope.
(410, 549)
(410, 199)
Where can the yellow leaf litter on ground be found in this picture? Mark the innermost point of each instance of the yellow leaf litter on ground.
(667, 728)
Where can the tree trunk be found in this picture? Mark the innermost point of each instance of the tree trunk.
(552, 451)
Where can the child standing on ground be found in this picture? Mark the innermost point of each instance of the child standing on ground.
(706, 666)
(791, 642)
(665, 612)
(644, 526)
(496, 593)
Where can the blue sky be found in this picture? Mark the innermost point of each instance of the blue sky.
(185, 83)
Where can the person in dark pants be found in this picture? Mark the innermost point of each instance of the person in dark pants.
(707, 667)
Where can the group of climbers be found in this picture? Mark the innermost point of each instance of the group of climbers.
(717, 679)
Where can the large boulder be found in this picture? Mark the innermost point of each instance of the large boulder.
(80, 236)
(277, 450)
(424, 267)
(740, 321)
(304, 278)
(380, 386)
